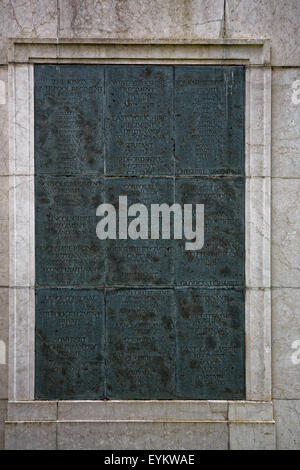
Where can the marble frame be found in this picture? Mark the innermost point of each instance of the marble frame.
(255, 55)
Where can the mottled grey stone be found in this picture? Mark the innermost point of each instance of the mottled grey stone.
(209, 120)
(252, 436)
(277, 20)
(286, 343)
(286, 122)
(69, 344)
(3, 416)
(4, 229)
(286, 232)
(143, 410)
(24, 435)
(69, 104)
(139, 120)
(210, 349)
(33, 18)
(4, 306)
(221, 260)
(68, 251)
(4, 135)
(140, 342)
(141, 19)
(142, 436)
(32, 410)
(287, 419)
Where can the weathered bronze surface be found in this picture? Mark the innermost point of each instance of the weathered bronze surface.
(209, 120)
(69, 119)
(139, 120)
(140, 262)
(69, 343)
(139, 319)
(140, 343)
(210, 344)
(221, 260)
(68, 251)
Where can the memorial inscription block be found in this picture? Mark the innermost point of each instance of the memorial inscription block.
(139, 120)
(69, 343)
(139, 231)
(221, 260)
(68, 251)
(140, 262)
(69, 119)
(211, 362)
(209, 120)
(141, 347)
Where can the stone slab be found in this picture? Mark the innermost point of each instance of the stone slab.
(252, 436)
(286, 343)
(286, 122)
(221, 260)
(3, 416)
(210, 349)
(34, 18)
(273, 19)
(30, 435)
(4, 230)
(69, 120)
(4, 162)
(140, 19)
(140, 344)
(209, 106)
(69, 344)
(68, 251)
(151, 410)
(285, 232)
(4, 320)
(32, 411)
(258, 346)
(287, 419)
(142, 436)
(250, 411)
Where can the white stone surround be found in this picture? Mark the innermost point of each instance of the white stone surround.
(257, 411)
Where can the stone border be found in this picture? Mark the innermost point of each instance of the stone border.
(255, 55)
(142, 410)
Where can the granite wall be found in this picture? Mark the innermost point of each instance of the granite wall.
(191, 19)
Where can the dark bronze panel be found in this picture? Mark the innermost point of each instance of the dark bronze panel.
(173, 319)
(68, 251)
(209, 120)
(221, 260)
(68, 130)
(69, 344)
(210, 344)
(139, 120)
(140, 262)
(140, 338)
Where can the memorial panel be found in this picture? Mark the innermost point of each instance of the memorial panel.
(221, 260)
(69, 119)
(69, 344)
(139, 120)
(130, 304)
(210, 344)
(68, 251)
(140, 338)
(209, 120)
(141, 262)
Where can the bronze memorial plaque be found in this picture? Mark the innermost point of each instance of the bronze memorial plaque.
(139, 232)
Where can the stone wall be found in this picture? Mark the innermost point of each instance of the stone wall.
(277, 20)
